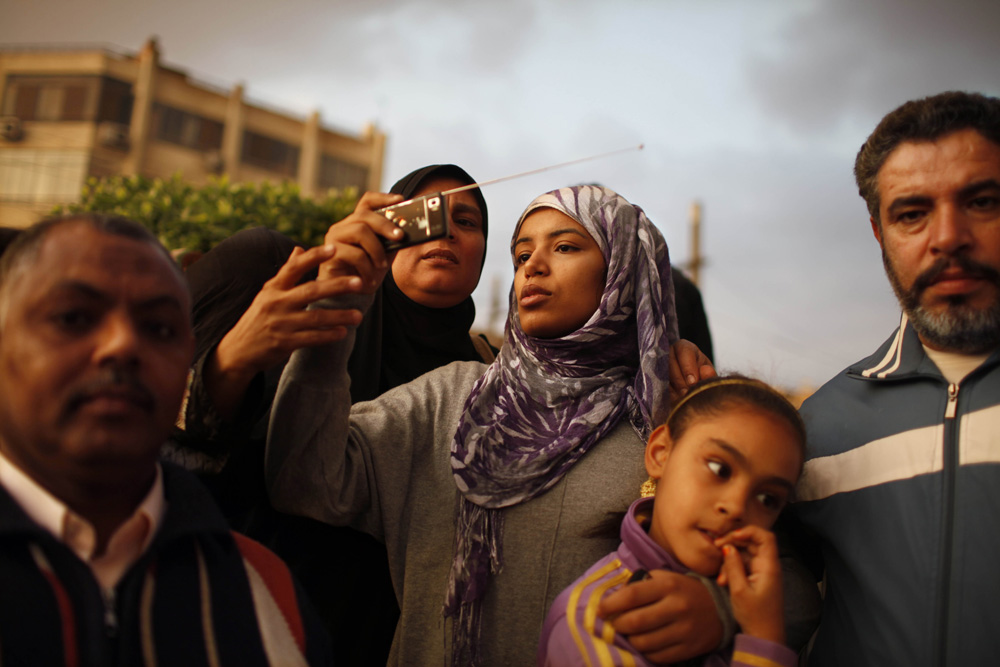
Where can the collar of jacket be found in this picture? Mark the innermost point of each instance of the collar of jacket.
(190, 510)
(902, 356)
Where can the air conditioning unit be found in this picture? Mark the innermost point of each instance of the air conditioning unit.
(214, 164)
(11, 129)
(113, 135)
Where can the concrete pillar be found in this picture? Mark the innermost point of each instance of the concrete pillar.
(376, 140)
(232, 133)
(309, 156)
(695, 265)
(142, 108)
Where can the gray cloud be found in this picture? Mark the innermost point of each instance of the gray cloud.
(793, 284)
(851, 61)
(374, 41)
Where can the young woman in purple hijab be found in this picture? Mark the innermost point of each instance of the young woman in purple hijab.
(485, 482)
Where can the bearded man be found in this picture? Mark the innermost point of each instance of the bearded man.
(902, 483)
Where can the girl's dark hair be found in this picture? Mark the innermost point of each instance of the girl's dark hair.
(714, 396)
(710, 398)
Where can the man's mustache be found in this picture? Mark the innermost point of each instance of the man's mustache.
(114, 381)
(971, 268)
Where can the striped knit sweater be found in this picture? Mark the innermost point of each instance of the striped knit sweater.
(200, 595)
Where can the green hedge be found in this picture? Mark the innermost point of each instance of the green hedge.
(196, 218)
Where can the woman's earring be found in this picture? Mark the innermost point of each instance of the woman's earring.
(648, 488)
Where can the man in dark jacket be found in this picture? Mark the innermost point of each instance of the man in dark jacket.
(902, 476)
(900, 494)
(108, 557)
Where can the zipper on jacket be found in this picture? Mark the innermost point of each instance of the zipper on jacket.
(950, 410)
(110, 613)
(949, 474)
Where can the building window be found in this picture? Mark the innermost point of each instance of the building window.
(335, 173)
(186, 129)
(21, 101)
(116, 102)
(51, 98)
(74, 103)
(271, 154)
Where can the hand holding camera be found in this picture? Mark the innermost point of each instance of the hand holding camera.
(358, 241)
(422, 219)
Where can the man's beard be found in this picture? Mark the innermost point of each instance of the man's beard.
(958, 327)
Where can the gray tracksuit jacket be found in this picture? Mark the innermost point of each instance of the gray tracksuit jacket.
(902, 488)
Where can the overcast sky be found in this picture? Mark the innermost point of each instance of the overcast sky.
(754, 108)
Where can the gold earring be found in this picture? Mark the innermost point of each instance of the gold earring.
(648, 488)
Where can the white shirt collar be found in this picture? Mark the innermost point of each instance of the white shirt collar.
(129, 541)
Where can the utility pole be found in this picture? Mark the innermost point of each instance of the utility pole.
(496, 319)
(694, 265)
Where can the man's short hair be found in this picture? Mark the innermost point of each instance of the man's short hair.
(24, 249)
(926, 119)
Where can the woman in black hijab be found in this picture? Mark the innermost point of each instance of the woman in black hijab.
(402, 338)
(420, 320)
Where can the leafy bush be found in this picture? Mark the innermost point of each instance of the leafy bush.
(196, 218)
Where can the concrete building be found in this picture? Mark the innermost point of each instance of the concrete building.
(70, 113)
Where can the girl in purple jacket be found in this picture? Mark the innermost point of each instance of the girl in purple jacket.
(721, 469)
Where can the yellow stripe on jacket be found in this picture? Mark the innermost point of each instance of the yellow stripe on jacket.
(607, 653)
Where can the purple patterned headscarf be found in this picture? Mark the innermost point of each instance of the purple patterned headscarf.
(543, 403)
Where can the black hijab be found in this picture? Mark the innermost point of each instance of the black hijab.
(400, 339)
(397, 341)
